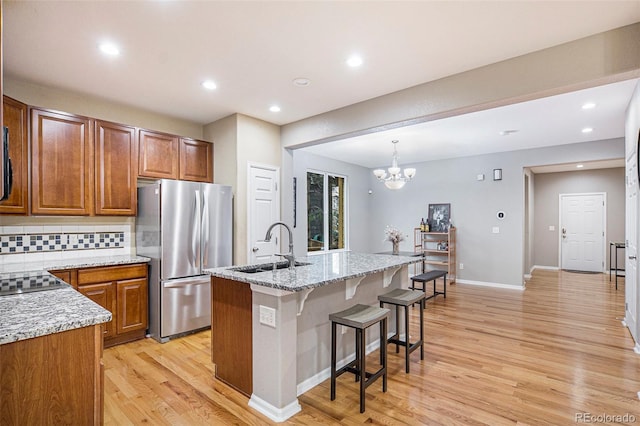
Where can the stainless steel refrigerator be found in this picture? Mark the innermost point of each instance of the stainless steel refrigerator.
(184, 227)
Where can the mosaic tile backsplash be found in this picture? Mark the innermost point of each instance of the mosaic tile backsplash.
(42, 243)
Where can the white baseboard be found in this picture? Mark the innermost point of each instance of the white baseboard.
(488, 284)
(527, 276)
(547, 268)
(323, 375)
(636, 349)
(278, 415)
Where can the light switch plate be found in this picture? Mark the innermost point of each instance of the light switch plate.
(267, 316)
(495, 230)
(552, 228)
(480, 177)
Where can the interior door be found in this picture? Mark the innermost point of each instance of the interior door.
(631, 251)
(263, 210)
(582, 232)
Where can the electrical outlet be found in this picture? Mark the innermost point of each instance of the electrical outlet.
(462, 266)
(268, 316)
(495, 229)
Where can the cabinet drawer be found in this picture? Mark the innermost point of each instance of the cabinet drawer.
(111, 273)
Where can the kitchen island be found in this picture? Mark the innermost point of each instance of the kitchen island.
(271, 329)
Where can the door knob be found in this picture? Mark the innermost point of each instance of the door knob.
(255, 249)
(632, 258)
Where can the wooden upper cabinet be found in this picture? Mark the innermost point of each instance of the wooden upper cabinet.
(16, 119)
(196, 160)
(116, 156)
(61, 163)
(158, 155)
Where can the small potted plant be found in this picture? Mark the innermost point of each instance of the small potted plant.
(394, 235)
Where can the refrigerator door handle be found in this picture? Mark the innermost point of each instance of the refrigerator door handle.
(196, 239)
(205, 229)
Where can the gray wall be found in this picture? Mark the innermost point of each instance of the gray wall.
(549, 186)
(487, 257)
(358, 209)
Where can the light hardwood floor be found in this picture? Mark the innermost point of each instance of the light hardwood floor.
(492, 356)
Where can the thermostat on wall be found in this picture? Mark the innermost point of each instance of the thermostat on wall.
(500, 215)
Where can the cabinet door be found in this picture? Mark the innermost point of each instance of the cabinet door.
(116, 169)
(103, 295)
(196, 160)
(158, 155)
(61, 164)
(15, 118)
(132, 305)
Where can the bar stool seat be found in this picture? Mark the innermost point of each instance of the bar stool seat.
(405, 298)
(431, 276)
(360, 317)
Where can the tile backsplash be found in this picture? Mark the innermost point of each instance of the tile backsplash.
(12, 243)
(26, 242)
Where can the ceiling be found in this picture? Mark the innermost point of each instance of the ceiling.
(554, 120)
(253, 50)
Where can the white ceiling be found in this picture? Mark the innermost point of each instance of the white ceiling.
(555, 120)
(254, 49)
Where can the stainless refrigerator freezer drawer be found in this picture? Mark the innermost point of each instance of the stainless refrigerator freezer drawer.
(186, 305)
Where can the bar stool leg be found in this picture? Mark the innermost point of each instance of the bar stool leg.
(422, 329)
(333, 361)
(445, 286)
(358, 355)
(406, 336)
(383, 355)
(361, 367)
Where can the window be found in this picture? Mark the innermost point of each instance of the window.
(326, 212)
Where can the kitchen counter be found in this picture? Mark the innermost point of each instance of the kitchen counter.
(33, 314)
(323, 269)
(271, 332)
(78, 262)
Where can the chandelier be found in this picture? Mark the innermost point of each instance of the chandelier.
(395, 179)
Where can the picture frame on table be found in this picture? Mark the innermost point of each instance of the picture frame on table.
(439, 217)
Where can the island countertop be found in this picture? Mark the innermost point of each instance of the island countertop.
(323, 269)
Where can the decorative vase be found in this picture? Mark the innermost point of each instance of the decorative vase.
(396, 247)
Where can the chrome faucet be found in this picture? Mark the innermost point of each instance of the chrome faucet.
(289, 256)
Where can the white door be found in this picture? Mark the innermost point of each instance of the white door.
(263, 210)
(582, 232)
(631, 236)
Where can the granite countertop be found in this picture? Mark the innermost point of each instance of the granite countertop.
(323, 269)
(31, 313)
(78, 262)
(27, 315)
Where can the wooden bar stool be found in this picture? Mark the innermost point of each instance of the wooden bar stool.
(360, 317)
(431, 276)
(405, 298)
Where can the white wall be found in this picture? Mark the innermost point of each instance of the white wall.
(487, 257)
(547, 190)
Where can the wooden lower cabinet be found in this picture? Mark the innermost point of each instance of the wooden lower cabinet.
(231, 333)
(123, 291)
(53, 380)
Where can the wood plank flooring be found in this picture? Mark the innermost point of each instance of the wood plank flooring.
(492, 357)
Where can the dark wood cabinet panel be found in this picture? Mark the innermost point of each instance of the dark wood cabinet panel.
(196, 160)
(158, 155)
(61, 164)
(115, 169)
(16, 119)
(53, 379)
(104, 295)
(132, 305)
(231, 333)
(69, 276)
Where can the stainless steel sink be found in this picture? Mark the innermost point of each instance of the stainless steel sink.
(265, 267)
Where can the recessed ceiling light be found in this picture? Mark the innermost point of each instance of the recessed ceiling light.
(209, 84)
(274, 108)
(354, 61)
(589, 105)
(587, 130)
(508, 132)
(109, 48)
(580, 166)
(301, 82)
